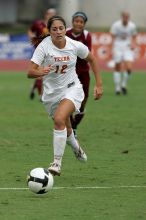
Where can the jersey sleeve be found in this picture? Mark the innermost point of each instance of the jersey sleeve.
(82, 50)
(113, 29)
(38, 55)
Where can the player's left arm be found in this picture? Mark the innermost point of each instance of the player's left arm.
(133, 40)
(36, 71)
(94, 66)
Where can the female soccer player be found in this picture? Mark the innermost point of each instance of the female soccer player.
(78, 32)
(55, 60)
(124, 33)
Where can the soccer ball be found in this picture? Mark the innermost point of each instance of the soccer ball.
(40, 180)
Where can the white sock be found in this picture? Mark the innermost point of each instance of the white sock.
(59, 143)
(125, 79)
(71, 140)
(117, 81)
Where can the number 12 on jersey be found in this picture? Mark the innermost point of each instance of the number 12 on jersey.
(60, 69)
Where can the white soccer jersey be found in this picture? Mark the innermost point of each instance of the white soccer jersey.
(123, 34)
(63, 62)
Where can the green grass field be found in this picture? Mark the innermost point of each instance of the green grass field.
(110, 186)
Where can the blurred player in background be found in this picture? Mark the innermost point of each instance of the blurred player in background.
(124, 33)
(78, 32)
(36, 32)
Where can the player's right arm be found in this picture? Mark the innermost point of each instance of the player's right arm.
(36, 71)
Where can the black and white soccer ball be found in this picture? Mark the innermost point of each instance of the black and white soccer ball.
(40, 180)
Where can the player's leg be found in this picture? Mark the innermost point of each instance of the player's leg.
(32, 92)
(129, 58)
(77, 118)
(72, 141)
(63, 111)
(117, 78)
(124, 82)
(37, 85)
(117, 57)
(71, 100)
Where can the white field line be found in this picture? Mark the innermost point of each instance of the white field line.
(76, 187)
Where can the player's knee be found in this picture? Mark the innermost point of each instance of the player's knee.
(118, 67)
(59, 121)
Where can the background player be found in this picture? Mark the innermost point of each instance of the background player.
(36, 32)
(78, 32)
(124, 32)
(55, 60)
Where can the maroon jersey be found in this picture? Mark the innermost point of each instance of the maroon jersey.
(85, 37)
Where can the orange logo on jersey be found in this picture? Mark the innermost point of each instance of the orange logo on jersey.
(66, 58)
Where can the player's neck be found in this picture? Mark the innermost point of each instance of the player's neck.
(125, 23)
(59, 44)
(76, 34)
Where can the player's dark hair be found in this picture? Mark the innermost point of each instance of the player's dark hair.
(80, 14)
(55, 18)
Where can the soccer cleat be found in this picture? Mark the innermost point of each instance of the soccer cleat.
(55, 169)
(80, 154)
(124, 90)
(32, 95)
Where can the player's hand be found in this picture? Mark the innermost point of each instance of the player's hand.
(98, 92)
(46, 70)
(36, 71)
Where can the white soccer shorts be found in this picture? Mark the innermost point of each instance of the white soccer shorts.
(123, 54)
(74, 93)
